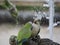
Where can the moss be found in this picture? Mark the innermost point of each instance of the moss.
(57, 8)
(2, 7)
(28, 7)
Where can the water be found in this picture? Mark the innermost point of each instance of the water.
(6, 30)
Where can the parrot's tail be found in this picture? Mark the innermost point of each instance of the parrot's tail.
(22, 41)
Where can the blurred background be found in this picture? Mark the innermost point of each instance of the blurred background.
(27, 11)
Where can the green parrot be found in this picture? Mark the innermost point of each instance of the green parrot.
(12, 9)
(29, 31)
(25, 33)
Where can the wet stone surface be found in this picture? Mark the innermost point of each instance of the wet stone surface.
(38, 41)
(43, 42)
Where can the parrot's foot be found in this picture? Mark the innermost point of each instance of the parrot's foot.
(13, 40)
(36, 39)
(30, 42)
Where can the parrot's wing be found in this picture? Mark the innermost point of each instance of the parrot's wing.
(25, 32)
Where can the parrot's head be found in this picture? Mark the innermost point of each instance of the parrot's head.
(35, 27)
(36, 21)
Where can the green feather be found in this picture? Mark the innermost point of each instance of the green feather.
(24, 33)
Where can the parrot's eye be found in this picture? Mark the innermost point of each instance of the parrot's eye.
(35, 22)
